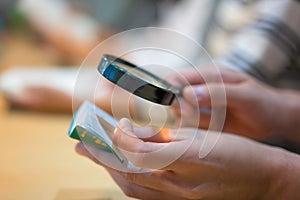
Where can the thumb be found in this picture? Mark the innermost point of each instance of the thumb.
(145, 154)
(126, 126)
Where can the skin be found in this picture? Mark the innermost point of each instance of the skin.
(50, 100)
(253, 109)
(42, 99)
(266, 173)
(237, 167)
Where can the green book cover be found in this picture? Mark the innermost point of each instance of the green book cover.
(93, 126)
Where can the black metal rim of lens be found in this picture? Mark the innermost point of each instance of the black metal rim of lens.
(110, 69)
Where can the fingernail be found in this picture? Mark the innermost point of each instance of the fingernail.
(125, 125)
(200, 92)
(196, 91)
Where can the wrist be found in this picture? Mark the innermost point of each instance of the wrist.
(285, 181)
(290, 112)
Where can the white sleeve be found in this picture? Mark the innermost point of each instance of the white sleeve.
(270, 44)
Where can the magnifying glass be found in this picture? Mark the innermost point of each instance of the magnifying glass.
(137, 80)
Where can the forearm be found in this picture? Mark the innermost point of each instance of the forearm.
(291, 115)
(286, 182)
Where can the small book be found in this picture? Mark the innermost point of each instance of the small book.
(95, 127)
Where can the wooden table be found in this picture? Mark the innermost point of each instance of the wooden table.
(38, 161)
(37, 158)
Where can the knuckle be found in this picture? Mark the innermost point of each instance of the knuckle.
(116, 139)
(130, 177)
(142, 156)
(138, 155)
(140, 147)
(188, 193)
(128, 190)
(223, 71)
(166, 177)
(138, 160)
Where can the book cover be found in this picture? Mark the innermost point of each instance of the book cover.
(95, 127)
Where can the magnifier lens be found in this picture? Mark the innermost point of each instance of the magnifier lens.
(137, 80)
(137, 72)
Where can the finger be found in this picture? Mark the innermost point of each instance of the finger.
(185, 119)
(160, 180)
(150, 134)
(134, 190)
(162, 136)
(137, 184)
(205, 119)
(187, 114)
(125, 139)
(148, 155)
(205, 95)
(215, 94)
(43, 99)
(132, 184)
(81, 150)
(205, 75)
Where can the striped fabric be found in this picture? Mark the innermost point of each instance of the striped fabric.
(269, 48)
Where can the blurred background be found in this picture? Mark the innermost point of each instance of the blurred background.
(42, 44)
